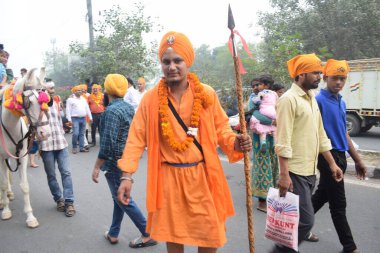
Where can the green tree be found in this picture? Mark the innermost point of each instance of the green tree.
(120, 46)
(214, 66)
(343, 29)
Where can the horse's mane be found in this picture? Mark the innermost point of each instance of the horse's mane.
(30, 80)
(19, 85)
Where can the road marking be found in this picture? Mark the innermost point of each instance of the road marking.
(365, 183)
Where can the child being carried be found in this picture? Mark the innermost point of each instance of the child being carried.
(266, 100)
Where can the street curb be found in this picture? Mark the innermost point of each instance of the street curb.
(372, 171)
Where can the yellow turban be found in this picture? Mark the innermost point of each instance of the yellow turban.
(304, 63)
(180, 44)
(96, 86)
(336, 68)
(116, 85)
(141, 80)
(83, 87)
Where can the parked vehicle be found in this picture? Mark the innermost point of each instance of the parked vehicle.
(362, 95)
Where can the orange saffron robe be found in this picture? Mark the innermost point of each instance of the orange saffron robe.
(187, 205)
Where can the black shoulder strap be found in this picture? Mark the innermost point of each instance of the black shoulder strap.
(184, 127)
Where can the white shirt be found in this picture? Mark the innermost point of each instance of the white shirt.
(133, 97)
(77, 107)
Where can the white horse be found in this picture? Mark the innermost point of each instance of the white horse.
(13, 129)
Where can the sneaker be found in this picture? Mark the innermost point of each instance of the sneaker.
(74, 151)
(84, 150)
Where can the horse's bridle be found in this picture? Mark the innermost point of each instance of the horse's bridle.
(30, 135)
(26, 105)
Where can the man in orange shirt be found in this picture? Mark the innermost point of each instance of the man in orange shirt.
(181, 122)
(95, 101)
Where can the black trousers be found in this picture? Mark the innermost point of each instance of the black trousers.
(94, 126)
(333, 192)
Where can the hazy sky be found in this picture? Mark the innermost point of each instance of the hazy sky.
(28, 27)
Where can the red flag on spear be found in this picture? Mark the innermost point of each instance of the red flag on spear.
(243, 129)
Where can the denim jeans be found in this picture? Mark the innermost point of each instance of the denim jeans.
(113, 179)
(79, 126)
(61, 157)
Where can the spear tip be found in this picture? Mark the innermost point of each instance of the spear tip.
(231, 21)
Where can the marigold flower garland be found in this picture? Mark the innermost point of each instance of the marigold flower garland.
(201, 99)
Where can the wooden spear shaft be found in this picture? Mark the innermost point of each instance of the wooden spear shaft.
(243, 130)
(247, 162)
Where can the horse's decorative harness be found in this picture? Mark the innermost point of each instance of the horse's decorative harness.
(30, 135)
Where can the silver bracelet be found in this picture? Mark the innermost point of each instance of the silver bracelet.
(127, 178)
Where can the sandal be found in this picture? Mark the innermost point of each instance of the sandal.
(108, 237)
(138, 243)
(60, 205)
(262, 206)
(69, 210)
(310, 237)
(262, 209)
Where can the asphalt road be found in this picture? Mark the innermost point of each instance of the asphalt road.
(369, 140)
(83, 233)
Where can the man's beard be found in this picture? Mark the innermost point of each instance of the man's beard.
(311, 85)
(314, 85)
(173, 83)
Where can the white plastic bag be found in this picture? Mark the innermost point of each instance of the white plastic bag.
(282, 218)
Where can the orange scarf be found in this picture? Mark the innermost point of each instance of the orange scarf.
(96, 98)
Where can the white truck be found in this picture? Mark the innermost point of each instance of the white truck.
(362, 95)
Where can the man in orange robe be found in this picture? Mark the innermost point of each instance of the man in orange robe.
(188, 198)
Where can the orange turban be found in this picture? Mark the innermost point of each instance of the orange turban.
(96, 86)
(75, 88)
(304, 63)
(141, 80)
(116, 85)
(336, 68)
(180, 44)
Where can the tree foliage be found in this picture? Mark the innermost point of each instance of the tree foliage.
(120, 46)
(343, 29)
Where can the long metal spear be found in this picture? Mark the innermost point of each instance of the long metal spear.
(243, 129)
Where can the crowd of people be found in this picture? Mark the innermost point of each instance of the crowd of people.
(179, 123)
(299, 132)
